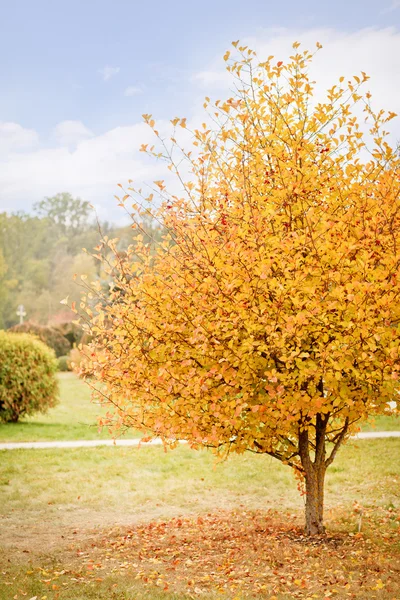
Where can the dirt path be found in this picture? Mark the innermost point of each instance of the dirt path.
(156, 442)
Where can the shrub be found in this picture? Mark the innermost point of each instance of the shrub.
(71, 331)
(76, 356)
(49, 335)
(64, 363)
(28, 382)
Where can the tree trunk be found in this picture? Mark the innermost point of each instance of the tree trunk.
(315, 477)
(314, 471)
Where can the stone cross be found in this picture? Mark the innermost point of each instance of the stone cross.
(21, 313)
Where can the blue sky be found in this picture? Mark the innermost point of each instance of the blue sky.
(76, 77)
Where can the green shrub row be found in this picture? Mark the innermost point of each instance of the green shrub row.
(62, 338)
(49, 335)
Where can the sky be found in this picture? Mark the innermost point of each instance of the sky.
(76, 77)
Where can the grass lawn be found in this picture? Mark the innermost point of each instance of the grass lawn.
(118, 523)
(75, 418)
(384, 423)
(125, 523)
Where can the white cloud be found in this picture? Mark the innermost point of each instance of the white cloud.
(108, 72)
(14, 137)
(214, 77)
(133, 90)
(69, 133)
(91, 166)
(92, 170)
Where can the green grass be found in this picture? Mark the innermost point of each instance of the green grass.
(147, 482)
(55, 505)
(383, 423)
(74, 418)
(63, 506)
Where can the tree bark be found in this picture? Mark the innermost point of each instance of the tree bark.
(314, 471)
(315, 478)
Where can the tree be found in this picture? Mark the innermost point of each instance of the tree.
(3, 291)
(25, 244)
(68, 213)
(267, 319)
(41, 255)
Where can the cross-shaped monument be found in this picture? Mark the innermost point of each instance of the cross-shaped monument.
(21, 313)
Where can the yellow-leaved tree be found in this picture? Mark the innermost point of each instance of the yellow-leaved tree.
(267, 318)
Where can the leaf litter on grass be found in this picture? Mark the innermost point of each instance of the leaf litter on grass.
(245, 554)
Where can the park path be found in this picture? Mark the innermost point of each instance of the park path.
(136, 442)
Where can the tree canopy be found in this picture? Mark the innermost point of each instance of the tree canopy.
(267, 318)
(41, 252)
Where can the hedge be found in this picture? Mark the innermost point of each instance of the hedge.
(49, 335)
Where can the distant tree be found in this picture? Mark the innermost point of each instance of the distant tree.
(42, 253)
(26, 245)
(68, 213)
(3, 289)
(267, 320)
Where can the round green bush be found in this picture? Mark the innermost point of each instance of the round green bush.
(64, 363)
(49, 335)
(28, 382)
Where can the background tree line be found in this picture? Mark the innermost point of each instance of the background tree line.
(41, 252)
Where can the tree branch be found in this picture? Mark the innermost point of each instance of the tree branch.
(338, 443)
